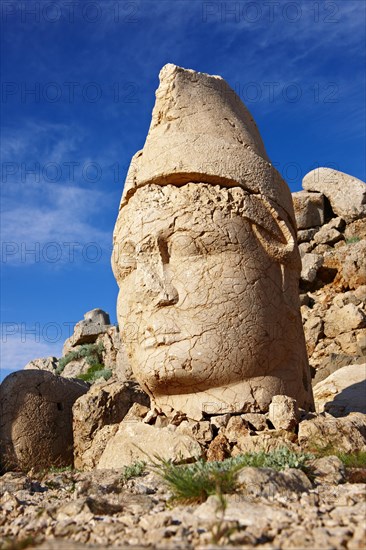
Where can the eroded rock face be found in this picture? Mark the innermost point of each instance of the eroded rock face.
(36, 419)
(206, 259)
(346, 194)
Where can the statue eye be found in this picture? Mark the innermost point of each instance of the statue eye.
(184, 245)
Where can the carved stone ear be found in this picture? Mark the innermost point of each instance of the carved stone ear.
(274, 230)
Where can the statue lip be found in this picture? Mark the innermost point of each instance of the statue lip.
(160, 339)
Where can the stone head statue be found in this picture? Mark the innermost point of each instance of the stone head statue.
(206, 259)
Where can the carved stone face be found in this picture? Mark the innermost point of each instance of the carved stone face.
(208, 297)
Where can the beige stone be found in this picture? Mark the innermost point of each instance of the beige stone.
(309, 209)
(342, 392)
(206, 259)
(219, 449)
(310, 264)
(340, 320)
(137, 441)
(283, 413)
(265, 482)
(256, 421)
(104, 404)
(346, 434)
(36, 419)
(86, 331)
(44, 363)
(346, 194)
(327, 469)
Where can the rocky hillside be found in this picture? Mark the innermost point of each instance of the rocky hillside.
(331, 219)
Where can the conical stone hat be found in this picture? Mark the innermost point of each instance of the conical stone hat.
(202, 132)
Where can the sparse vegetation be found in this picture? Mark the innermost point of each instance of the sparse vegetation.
(94, 372)
(353, 460)
(134, 470)
(92, 353)
(195, 482)
(352, 240)
(56, 470)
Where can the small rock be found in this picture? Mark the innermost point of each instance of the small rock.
(344, 319)
(236, 427)
(346, 194)
(139, 441)
(256, 421)
(265, 482)
(328, 469)
(220, 421)
(306, 235)
(310, 265)
(284, 413)
(45, 363)
(219, 449)
(327, 235)
(309, 209)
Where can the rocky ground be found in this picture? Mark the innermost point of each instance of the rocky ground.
(102, 509)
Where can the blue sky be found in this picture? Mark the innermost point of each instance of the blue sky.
(77, 94)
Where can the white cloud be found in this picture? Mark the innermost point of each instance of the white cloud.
(38, 211)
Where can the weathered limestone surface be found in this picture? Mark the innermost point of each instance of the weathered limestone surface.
(346, 194)
(342, 392)
(206, 258)
(86, 331)
(43, 363)
(309, 209)
(36, 419)
(105, 404)
(137, 441)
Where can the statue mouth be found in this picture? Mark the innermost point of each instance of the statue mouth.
(158, 340)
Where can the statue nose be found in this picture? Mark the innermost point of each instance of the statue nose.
(155, 278)
(155, 285)
(168, 295)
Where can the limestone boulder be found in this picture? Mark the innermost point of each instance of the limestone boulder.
(310, 265)
(104, 404)
(346, 194)
(313, 328)
(356, 230)
(138, 441)
(327, 235)
(306, 235)
(36, 419)
(284, 413)
(265, 441)
(352, 260)
(44, 363)
(236, 428)
(265, 482)
(342, 392)
(344, 319)
(347, 434)
(95, 322)
(327, 469)
(256, 421)
(309, 209)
